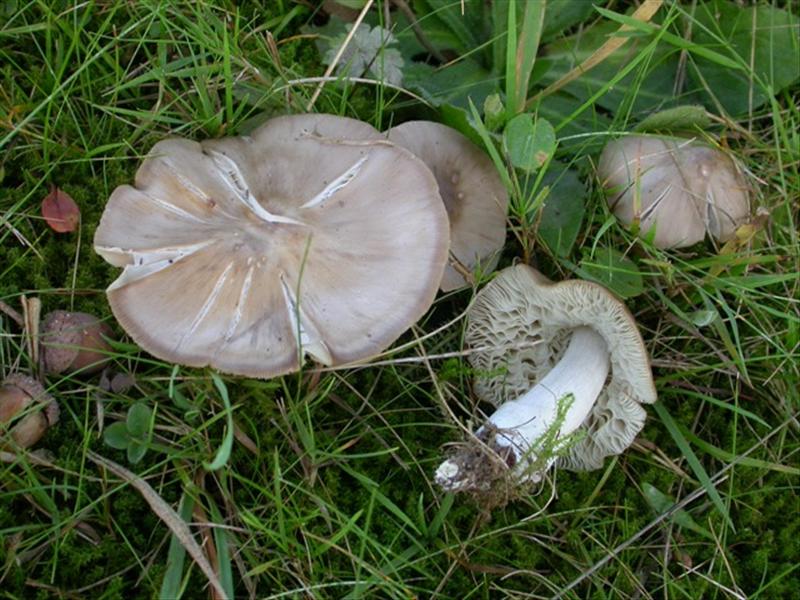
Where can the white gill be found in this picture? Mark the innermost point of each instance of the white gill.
(234, 179)
(310, 340)
(337, 184)
(142, 263)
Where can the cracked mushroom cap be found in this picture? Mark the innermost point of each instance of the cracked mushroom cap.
(473, 194)
(311, 236)
(682, 188)
(521, 323)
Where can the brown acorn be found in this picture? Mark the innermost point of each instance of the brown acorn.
(18, 394)
(74, 341)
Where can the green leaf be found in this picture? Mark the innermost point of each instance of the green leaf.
(138, 420)
(765, 37)
(454, 85)
(563, 14)
(563, 209)
(528, 143)
(116, 435)
(680, 118)
(618, 273)
(136, 451)
(647, 87)
(661, 502)
(494, 112)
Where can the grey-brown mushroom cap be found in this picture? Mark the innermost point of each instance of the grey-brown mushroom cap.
(474, 195)
(683, 188)
(518, 328)
(311, 236)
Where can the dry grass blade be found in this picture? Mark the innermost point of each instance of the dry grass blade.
(170, 518)
(644, 13)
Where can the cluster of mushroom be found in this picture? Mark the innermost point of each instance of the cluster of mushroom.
(315, 235)
(319, 236)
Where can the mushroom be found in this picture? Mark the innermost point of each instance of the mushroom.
(312, 236)
(681, 188)
(556, 359)
(472, 191)
(74, 341)
(22, 399)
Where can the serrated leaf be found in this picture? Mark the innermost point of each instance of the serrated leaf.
(618, 273)
(529, 143)
(138, 420)
(368, 52)
(116, 435)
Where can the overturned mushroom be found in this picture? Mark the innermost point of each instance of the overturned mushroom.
(681, 188)
(554, 345)
(32, 410)
(472, 191)
(74, 341)
(312, 236)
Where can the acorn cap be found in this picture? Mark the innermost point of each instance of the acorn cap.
(472, 191)
(74, 341)
(311, 236)
(519, 326)
(18, 393)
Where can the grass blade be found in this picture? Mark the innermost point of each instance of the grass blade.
(171, 585)
(168, 515)
(521, 53)
(694, 462)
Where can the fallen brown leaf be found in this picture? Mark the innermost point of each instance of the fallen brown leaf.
(60, 211)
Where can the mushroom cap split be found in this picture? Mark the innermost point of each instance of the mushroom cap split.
(683, 188)
(313, 235)
(519, 326)
(472, 191)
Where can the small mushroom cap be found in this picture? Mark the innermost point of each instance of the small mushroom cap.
(74, 341)
(472, 191)
(521, 323)
(18, 394)
(682, 188)
(311, 236)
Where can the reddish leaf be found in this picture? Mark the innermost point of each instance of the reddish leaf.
(60, 211)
